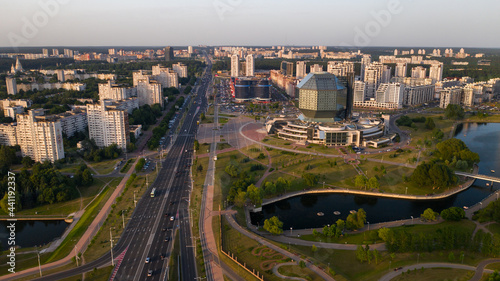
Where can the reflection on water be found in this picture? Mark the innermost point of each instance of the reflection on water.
(301, 211)
(32, 233)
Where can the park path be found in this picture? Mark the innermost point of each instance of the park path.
(276, 272)
(84, 241)
(264, 242)
(479, 269)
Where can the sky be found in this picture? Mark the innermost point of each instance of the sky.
(405, 23)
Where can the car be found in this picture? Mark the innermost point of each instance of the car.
(162, 257)
(167, 239)
(147, 260)
(172, 218)
(167, 214)
(164, 229)
(150, 273)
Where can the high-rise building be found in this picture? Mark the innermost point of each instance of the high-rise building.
(250, 67)
(190, 49)
(165, 76)
(452, 95)
(68, 53)
(149, 92)
(8, 134)
(45, 53)
(301, 70)
(359, 91)
(401, 69)
(11, 85)
(72, 122)
(169, 53)
(436, 72)
(365, 61)
(112, 52)
(418, 72)
(60, 75)
(322, 97)
(39, 136)
(181, 69)
(286, 68)
(235, 66)
(418, 94)
(316, 68)
(110, 91)
(108, 124)
(340, 68)
(55, 52)
(390, 93)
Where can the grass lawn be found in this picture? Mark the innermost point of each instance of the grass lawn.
(101, 274)
(223, 145)
(296, 271)
(63, 209)
(363, 238)
(291, 145)
(420, 133)
(105, 167)
(398, 157)
(494, 228)
(492, 118)
(494, 266)
(195, 205)
(223, 120)
(436, 274)
(392, 180)
(173, 266)
(204, 148)
(71, 168)
(99, 245)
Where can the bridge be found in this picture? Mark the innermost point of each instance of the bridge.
(478, 176)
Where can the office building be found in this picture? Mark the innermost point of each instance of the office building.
(108, 124)
(247, 89)
(286, 68)
(39, 136)
(301, 70)
(169, 53)
(452, 95)
(235, 66)
(250, 67)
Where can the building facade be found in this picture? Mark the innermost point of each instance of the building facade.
(108, 124)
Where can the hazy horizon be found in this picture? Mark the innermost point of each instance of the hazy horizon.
(398, 23)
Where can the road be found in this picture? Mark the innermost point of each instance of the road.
(151, 222)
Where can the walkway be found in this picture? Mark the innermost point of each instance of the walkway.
(82, 244)
(264, 242)
(389, 276)
(276, 272)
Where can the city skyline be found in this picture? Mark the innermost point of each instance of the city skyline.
(223, 22)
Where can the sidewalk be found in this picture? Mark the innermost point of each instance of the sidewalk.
(82, 244)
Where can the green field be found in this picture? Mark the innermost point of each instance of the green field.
(105, 167)
(436, 274)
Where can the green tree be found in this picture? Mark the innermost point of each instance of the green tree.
(233, 170)
(310, 179)
(495, 276)
(273, 225)
(454, 111)
(270, 188)
(140, 165)
(361, 254)
(27, 162)
(428, 215)
(429, 123)
(453, 214)
(240, 198)
(196, 145)
(376, 256)
(360, 181)
(314, 248)
(384, 233)
(373, 183)
(254, 194)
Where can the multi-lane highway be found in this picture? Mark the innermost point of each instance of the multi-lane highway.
(149, 233)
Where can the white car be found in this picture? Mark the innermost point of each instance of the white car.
(147, 260)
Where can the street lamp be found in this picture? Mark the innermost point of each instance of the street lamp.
(411, 219)
(368, 225)
(406, 190)
(291, 228)
(111, 240)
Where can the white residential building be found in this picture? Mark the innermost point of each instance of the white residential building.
(39, 136)
(250, 66)
(108, 124)
(181, 69)
(390, 93)
(401, 69)
(149, 92)
(418, 72)
(418, 94)
(359, 91)
(11, 85)
(165, 76)
(235, 66)
(316, 68)
(8, 134)
(436, 72)
(452, 95)
(12, 111)
(110, 91)
(72, 122)
(301, 70)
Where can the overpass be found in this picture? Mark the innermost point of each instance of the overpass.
(478, 176)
